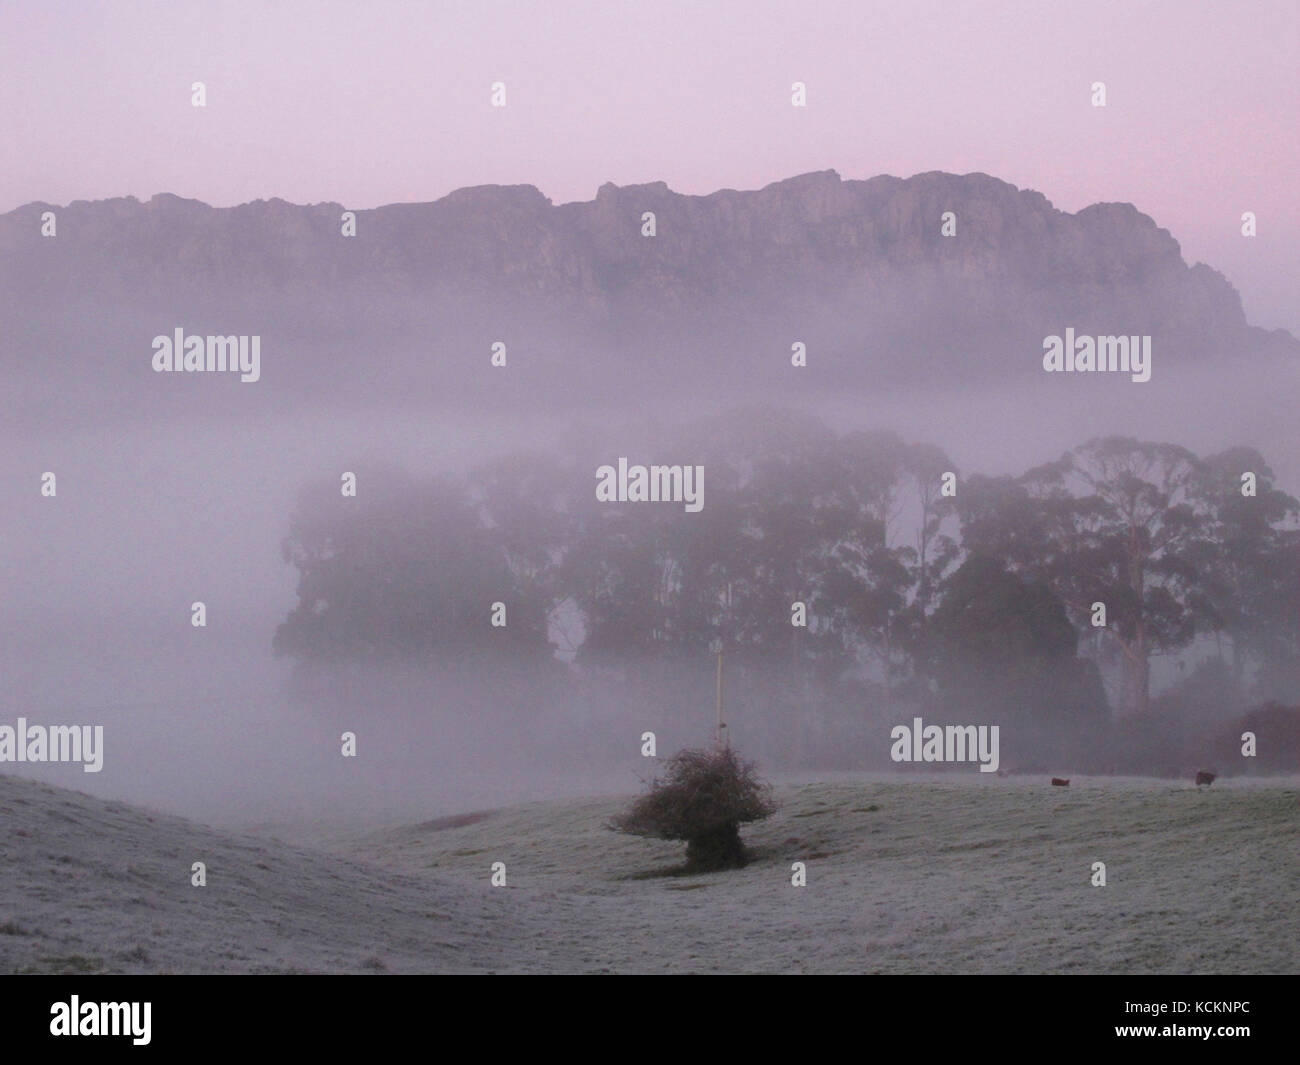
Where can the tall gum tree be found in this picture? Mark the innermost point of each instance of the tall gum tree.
(1117, 521)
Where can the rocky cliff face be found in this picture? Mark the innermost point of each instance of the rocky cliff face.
(854, 268)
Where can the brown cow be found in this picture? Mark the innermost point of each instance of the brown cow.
(1058, 782)
(1203, 777)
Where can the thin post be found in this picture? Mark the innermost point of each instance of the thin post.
(722, 725)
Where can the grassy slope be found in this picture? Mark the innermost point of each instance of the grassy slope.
(971, 875)
(94, 886)
(966, 874)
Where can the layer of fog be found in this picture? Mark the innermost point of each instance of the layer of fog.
(95, 624)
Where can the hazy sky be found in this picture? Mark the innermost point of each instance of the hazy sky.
(371, 103)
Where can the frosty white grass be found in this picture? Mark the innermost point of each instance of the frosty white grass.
(960, 874)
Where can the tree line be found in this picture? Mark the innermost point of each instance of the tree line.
(824, 565)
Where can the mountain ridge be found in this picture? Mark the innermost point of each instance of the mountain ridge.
(858, 270)
(884, 207)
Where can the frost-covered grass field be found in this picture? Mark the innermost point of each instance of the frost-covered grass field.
(917, 875)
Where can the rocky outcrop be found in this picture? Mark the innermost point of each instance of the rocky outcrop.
(858, 269)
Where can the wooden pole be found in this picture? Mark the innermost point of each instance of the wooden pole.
(722, 725)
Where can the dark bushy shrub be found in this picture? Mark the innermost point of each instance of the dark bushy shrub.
(703, 798)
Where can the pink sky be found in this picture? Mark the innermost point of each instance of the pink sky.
(372, 103)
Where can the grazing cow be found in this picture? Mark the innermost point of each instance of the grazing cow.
(1202, 777)
(1058, 782)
